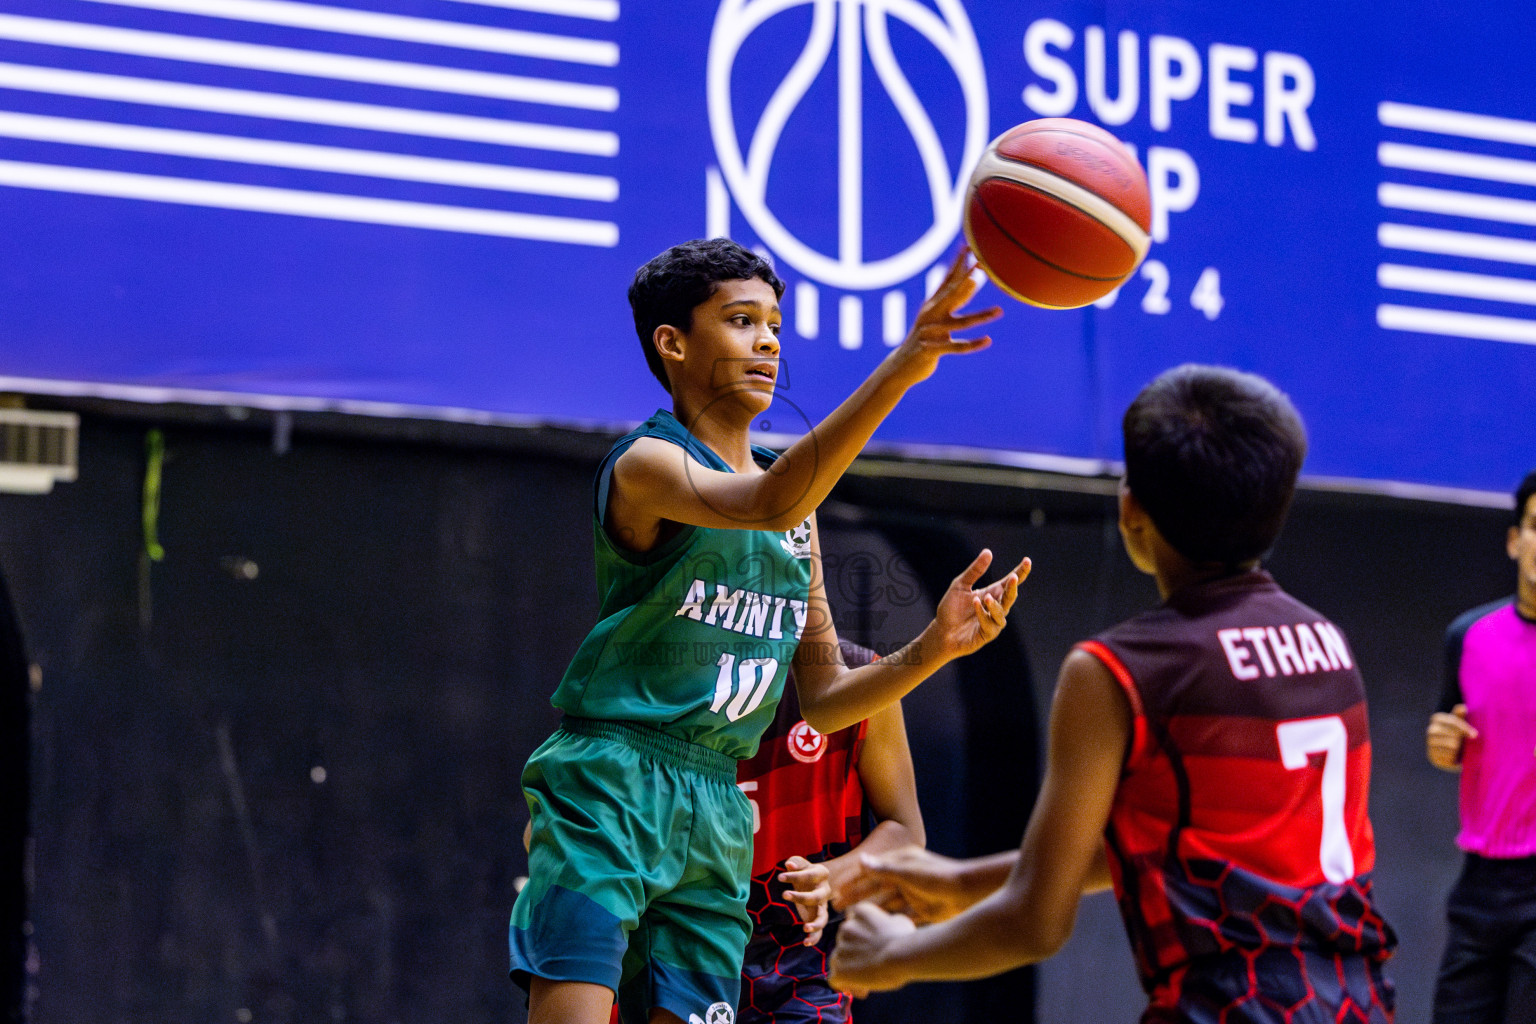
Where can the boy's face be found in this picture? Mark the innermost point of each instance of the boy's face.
(733, 346)
(1522, 548)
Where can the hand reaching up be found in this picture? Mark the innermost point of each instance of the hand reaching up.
(968, 619)
(932, 333)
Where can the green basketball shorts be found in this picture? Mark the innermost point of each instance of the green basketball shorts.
(638, 870)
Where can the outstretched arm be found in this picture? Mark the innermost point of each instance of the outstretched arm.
(930, 887)
(927, 886)
(1032, 915)
(834, 696)
(660, 480)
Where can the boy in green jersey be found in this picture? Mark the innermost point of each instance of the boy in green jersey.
(707, 557)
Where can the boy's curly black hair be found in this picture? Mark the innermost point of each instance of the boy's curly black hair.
(668, 287)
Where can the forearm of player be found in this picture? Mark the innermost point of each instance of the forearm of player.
(844, 696)
(887, 835)
(853, 695)
(1099, 878)
(659, 479)
(996, 935)
(889, 781)
(980, 877)
(833, 697)
(1062, 855)
(806, 472)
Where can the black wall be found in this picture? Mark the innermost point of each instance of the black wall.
(15, 799)
(275, 774)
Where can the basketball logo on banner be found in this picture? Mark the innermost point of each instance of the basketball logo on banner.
(845, 40)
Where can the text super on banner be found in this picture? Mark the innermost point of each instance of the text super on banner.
(436, 206)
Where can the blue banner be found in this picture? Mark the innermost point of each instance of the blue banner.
(436, 206)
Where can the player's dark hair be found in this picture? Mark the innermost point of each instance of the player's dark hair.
(1212, 454)
(666, 289)
(1523, 496)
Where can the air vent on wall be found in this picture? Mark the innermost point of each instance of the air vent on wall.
(37, 449)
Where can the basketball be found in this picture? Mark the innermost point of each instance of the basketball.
(1057, 212)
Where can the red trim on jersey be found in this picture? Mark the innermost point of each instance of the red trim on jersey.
(1138, 744)
(1119, 671)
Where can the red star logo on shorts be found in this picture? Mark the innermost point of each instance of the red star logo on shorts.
(806, 745)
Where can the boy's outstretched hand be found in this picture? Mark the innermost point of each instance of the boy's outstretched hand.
(967, 620)
(809, 890)
(932, 331)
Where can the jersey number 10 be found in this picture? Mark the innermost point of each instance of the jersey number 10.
(750, 681)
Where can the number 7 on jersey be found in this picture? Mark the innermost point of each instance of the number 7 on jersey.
(1327, 736)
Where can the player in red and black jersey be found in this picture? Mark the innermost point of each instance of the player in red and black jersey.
(1210, 759)
(810, 797)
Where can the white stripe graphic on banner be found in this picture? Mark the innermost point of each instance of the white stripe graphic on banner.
(1456, 243)
(350, 21)
(307, 62)
(1455, 207)
(324, 205)
(1456, 204)
(1454, 122)
(1465, 165)
(1459, 325)
(1455, 282)
(283, 107)
(302, 156)
(595, 10)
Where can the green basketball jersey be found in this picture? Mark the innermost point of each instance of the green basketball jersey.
(695, 636)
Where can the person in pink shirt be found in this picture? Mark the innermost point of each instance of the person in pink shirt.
(1486, 729)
